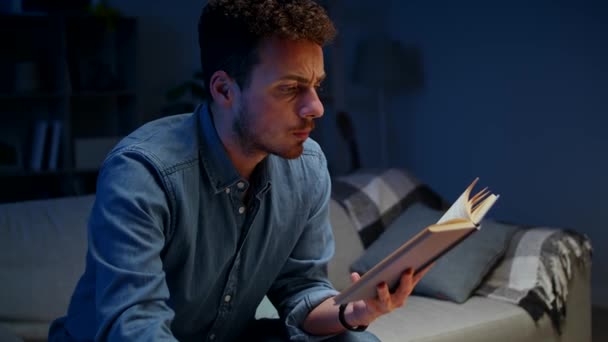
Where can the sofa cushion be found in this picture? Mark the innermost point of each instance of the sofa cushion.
(28, 331)
(42, 254)
(373, 199)
(266, 310)
(455, 275)
(483, 319)
(479, 319)
(6, 335)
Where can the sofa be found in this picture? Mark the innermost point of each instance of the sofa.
(43, 244)
(479, 318)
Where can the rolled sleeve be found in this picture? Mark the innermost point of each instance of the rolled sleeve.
(303, 306)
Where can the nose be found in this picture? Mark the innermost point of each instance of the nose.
(311, 106)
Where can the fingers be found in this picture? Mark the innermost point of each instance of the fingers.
(421, 274)
(383, 302)
(386, 301)
(406, 286)
(384, 294)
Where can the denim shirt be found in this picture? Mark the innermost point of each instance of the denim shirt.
(175, 253)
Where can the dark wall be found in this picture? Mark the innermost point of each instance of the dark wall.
(167, 48)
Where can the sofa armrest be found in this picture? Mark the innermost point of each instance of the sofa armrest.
(539, 266)
(42, 254)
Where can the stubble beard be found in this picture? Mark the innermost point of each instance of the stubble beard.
(251, 141)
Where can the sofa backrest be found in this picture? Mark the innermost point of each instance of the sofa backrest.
(349, 246)
(42, 255)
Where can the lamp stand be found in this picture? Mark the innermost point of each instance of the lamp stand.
(383, 125)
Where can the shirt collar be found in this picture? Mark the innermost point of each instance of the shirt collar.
(215, 161)
(263, 177)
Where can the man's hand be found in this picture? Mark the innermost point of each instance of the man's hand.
(364, 312)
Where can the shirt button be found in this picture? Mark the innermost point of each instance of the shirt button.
(212, 337)
(240, 185)
(227, 190)
(227, 298)
(241, 210)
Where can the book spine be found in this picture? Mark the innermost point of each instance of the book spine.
(38, 142)
(55, 142)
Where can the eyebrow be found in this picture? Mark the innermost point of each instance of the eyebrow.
(301, 79)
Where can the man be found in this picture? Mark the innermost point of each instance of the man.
(197, 217)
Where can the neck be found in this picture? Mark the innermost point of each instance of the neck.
(243, 157)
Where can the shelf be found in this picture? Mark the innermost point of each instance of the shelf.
(28, 14)
(103, 93)
(45, 173)
(32, 185)
(85, 81)
(20, 96)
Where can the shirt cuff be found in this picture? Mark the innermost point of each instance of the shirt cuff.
(300, 311)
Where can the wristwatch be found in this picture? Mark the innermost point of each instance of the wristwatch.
(345, 324)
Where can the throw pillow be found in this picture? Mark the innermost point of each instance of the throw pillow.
(374, 198)
(458, 273)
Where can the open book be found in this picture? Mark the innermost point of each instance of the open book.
(461, 220)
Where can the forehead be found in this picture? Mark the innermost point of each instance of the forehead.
(279, 57)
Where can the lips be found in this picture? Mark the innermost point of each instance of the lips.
(302, 134)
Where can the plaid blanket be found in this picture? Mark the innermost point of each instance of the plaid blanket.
(373, 199)
(536, 271)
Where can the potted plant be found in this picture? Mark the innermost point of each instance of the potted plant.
(184, 97)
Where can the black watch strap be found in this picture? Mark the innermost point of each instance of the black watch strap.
(345, 324)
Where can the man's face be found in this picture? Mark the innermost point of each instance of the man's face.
(280, 102)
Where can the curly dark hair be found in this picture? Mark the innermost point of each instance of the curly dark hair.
(230, 31)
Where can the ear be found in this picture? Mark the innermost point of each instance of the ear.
(222, 88)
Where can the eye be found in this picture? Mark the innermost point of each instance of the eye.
(288, 89)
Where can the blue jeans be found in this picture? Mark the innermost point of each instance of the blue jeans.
(273, 330)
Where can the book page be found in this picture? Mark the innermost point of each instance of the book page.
(461, 208)
(458, 210)
(483, 208)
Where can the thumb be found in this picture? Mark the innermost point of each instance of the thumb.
(354, 277)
